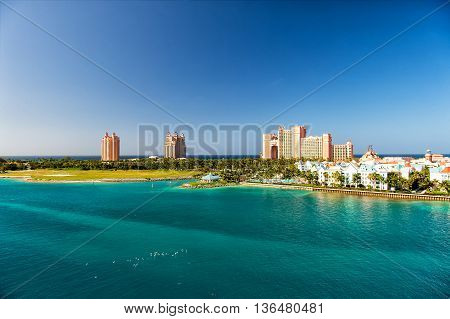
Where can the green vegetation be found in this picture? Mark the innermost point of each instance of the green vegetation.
(339, 179)
(357, 179)
(11, 166)
(311, 177)
(417, 182)
(64, 175)
(376, 178)
(230, 171)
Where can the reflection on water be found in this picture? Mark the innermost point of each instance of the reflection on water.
(225, 243)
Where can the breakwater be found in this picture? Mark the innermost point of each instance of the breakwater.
(357, 192)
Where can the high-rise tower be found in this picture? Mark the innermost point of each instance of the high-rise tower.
(110, 147)
(174, 145)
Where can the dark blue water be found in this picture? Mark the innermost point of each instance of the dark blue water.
(217, 243)
(97, 157)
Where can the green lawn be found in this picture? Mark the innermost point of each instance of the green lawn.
(91, 175)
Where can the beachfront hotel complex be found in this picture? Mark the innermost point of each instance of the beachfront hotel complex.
(293, 143)
(371, 165)
(174, 145)
(110, 147)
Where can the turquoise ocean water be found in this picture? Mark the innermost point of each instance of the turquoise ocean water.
(217, 243)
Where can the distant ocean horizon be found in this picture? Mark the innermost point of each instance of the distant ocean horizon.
(97, 157)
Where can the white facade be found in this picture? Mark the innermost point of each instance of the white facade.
(405, 172)
(349, 171)
(440, 174)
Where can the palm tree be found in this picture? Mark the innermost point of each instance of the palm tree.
(326, 176)
(446, 186)
(338, 178)
(376, 178)
(373, 178)
(357, 179)
(380, 179)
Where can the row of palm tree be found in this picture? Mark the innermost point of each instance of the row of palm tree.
(244, 166)
(418, 181)
(235, 170)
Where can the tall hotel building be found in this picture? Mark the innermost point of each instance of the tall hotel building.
(317, 147)
(174, 145)
(342, 152)
(294, 143)
(110, 147)
(285, 144)
(298, 133)
(270, 146)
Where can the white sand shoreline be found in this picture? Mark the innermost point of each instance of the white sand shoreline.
(103, 180)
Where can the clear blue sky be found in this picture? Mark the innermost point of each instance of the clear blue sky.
(223, 62)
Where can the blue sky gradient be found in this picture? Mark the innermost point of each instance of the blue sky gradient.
(223, 62)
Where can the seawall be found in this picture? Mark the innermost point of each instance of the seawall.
(355, 192)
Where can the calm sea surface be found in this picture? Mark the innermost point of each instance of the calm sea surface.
(217, 243)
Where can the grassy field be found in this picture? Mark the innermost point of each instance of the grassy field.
(99, 175)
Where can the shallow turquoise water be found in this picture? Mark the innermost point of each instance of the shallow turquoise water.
(218, 243)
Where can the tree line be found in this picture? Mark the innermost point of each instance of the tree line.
(418, 181)
(235, 170)
(236, 167)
